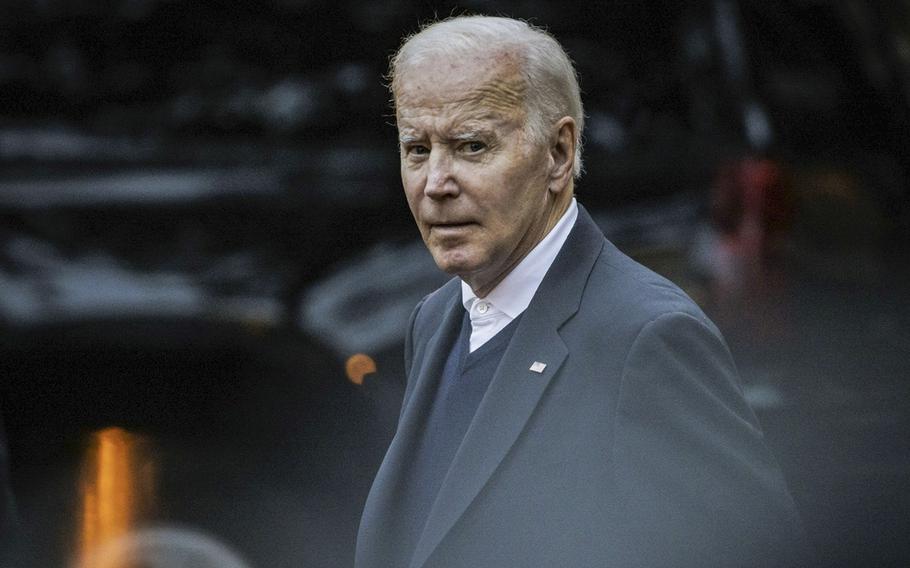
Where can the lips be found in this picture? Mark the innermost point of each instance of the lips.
(450, 229)
(444, 222)
(464, 224)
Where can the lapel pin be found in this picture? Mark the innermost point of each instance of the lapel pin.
(538, 367)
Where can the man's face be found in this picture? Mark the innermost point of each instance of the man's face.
(474, 179)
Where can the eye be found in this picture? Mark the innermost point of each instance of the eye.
(474, 147)
(416, 150)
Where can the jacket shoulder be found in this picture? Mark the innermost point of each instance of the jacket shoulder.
(631, 293)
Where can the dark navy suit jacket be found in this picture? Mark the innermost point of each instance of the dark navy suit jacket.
(633, 447)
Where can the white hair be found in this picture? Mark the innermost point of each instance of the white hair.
(552, 82)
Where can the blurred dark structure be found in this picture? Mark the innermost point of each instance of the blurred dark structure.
(180, 180)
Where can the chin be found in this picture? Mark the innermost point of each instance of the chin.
(453, 262)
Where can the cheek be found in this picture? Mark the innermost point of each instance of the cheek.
(413, 190)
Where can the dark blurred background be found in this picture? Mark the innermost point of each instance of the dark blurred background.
(206, 261)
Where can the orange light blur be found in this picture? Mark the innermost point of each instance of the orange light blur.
(116, 488)
(358, 366)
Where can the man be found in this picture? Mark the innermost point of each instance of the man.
(564, 406)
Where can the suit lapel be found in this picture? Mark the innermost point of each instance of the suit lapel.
(430, 362)
(385, 497)
(506, 407)
(515, 390)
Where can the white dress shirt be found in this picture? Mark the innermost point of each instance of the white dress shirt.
(511, 296)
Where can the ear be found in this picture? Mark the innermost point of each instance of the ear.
(562, 155)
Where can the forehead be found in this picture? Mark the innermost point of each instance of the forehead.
(473, 87)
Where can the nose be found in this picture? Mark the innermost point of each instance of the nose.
(441, 181)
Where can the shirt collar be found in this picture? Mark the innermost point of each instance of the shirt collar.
(514, 293)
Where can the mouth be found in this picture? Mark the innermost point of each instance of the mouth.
(454, 225)
(450, 228)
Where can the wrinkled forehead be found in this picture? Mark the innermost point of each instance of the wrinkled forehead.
(494, 83)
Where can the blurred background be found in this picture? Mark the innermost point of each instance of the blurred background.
(207, 263)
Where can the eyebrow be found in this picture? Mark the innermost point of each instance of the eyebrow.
(460, 137)
(469, 135)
